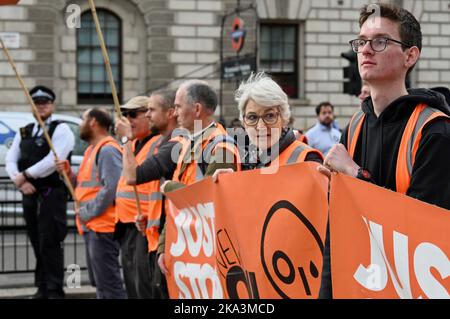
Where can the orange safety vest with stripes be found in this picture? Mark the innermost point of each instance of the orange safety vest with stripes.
(155, 208)
(300, 137)
(149, 193)
(188, 170)
(295, 153)
(409, 144)
(88, 185)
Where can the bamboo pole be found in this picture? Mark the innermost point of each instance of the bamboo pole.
(111, 82)
(39, 119)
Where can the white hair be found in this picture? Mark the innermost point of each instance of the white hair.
(263, 90)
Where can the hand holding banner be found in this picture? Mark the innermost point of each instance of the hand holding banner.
(386, 245)
(249, 236)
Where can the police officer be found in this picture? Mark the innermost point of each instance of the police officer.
(31, 166)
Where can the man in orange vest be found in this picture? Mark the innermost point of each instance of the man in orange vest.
(147, 173)
(207, 146)
(95, 191)
(400, 139)
(141, 143)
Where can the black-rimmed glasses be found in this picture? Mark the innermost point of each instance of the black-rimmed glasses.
(377, 44)
(133, 113)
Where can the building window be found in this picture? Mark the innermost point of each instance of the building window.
(92, 79)
(279, 55)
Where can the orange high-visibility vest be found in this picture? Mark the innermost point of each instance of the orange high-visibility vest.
(409, 144)
(300, 137)
(88, 185)
(126, 205)
(213, 138)
(155, 209)
(295, 153)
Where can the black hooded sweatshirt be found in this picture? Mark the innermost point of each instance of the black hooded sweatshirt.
(377, 150)
(379, 141)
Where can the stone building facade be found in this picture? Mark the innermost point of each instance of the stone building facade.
(162, 42)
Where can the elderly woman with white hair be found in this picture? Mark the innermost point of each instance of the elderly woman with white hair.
(265, 112)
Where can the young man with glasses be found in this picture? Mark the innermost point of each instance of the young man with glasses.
(147, 172)
(377, 144)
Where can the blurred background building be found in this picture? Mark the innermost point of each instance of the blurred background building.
(157, 43)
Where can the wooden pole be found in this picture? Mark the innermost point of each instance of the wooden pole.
(39, 119)
(111, 82)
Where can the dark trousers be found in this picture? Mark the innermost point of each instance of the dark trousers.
(143, 272)
(159, 283)
(46, 223)
(127, 234)
(102, 252)
(326, 287)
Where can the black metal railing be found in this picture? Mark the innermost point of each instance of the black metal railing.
(16, 252)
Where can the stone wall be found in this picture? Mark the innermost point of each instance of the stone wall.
(167, 41)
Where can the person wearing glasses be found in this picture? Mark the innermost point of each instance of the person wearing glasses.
(377, 145)
(206, 147)
(139, 141)
(265, 112)
(147, 172)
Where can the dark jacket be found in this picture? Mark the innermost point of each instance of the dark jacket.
(379, 142)
(377, 150)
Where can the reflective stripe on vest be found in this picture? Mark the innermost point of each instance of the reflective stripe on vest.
(132, 196)
(88, 186)
(188, 170)
(153, 223)
(93, 181)
(354, 129)
(296, 153)
(127, 205)
(144, 197)
(409, 144)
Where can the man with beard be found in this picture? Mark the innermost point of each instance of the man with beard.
(95, 191)
(323, 135)
(30, 164)
(148, 172)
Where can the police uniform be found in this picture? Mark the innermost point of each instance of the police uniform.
(45, 210)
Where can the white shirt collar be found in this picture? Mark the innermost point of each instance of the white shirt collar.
(46, 122)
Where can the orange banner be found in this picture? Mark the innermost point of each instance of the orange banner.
(386, 245)
(251, 235)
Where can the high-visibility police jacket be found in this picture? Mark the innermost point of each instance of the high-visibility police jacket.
(421, 116)
(88, 185)
(189, 167)
(149, 193)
